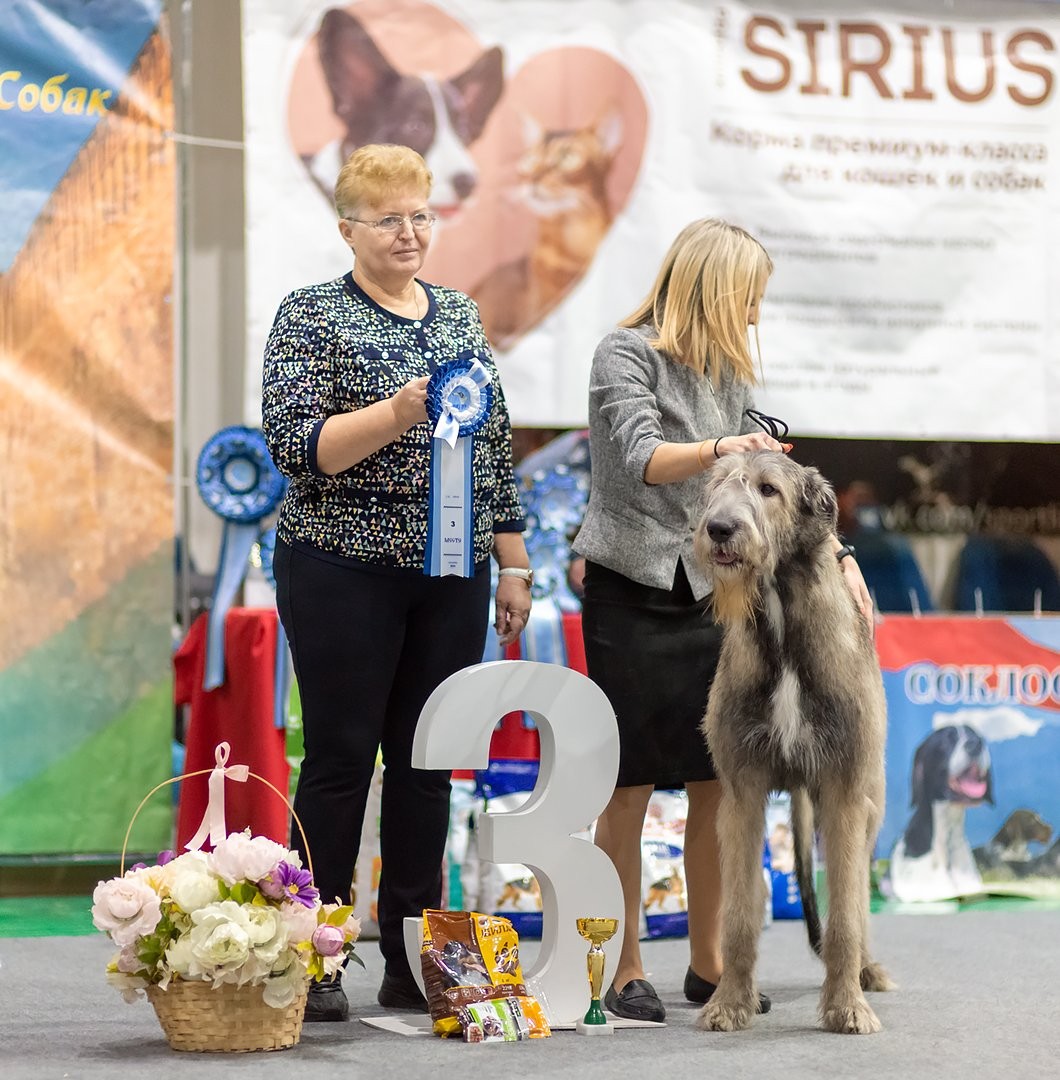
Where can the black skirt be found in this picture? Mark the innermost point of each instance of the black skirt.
(654, 653)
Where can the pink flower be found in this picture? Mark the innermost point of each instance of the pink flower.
(125, 908)
(328, 940)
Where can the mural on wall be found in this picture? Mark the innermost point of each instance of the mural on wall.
(86, 422)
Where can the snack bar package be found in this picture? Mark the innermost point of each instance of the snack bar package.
(469, 958)
(505, 1020)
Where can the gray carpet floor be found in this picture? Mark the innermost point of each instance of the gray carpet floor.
(977, 998)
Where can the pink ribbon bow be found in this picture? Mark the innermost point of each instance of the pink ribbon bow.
(213, 821)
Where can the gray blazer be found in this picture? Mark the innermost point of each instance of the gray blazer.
(639, 398)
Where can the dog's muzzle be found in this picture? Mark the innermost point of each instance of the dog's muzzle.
(721, 534)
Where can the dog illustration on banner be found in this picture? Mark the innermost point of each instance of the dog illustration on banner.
(376, 103)
(933, 859)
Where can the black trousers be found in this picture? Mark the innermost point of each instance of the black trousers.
(368, 650)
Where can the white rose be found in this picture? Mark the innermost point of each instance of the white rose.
(281, 990)
(219, 941)
(129, 986)
(300, 922)
(267, 930)
(179, 958)
(192, 886)
(243, 857)
(180, 865)
(125, 908)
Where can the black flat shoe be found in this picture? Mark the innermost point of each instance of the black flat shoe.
(401, 992)
(326, 1001)
(637, 1001)
(699, 991)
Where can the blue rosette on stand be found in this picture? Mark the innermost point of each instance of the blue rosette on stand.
(459, 401)
(237, 479)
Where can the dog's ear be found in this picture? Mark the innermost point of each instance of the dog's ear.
(918, 784)
(818, 498)
(479, 88)
(356, 72)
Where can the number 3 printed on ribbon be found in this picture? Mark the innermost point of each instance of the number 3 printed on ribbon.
(576, 776)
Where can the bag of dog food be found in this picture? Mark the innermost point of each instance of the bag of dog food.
(470, 959)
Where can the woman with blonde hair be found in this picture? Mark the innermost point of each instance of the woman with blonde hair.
(669, 395)
(377, 612)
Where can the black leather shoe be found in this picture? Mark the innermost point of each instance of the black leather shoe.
(636, 1001)
(401, 992)
(326, 1001)
(699, 991)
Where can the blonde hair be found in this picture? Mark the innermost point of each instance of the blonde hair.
(702, 298)
(377, 170)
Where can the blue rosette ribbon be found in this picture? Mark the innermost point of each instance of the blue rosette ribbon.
(237, 479)
(459, 401)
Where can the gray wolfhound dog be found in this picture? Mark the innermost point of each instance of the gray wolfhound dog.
(797, 705)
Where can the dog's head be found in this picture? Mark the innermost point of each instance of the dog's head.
(1023, 826)
(759, 507)
(952, 765)
(376, 103)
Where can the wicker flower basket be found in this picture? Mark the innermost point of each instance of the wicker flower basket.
(229, 1019)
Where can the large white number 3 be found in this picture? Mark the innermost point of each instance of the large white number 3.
(579, 764)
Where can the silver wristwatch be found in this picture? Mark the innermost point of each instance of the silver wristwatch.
(519, 572)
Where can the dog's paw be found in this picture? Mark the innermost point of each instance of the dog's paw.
(875, 979)
(724, 1016)
(855, 1018)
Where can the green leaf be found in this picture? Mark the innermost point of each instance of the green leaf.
(339, 916)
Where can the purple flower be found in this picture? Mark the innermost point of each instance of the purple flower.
(166, 856)
(328, 940)
(289, 882)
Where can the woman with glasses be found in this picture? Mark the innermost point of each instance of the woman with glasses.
(669, 394)
(377, 612)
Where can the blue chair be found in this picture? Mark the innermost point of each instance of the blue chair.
(892, 572)
(1008, 571)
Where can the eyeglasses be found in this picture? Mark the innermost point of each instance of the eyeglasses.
(392, 222)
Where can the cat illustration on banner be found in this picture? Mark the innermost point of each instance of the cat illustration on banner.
(563, 182)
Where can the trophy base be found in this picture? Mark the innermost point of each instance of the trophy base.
(583, 1028)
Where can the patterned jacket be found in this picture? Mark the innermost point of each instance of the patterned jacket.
(332, 349)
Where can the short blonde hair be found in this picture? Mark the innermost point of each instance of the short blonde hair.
(377, 170)
(702, 296)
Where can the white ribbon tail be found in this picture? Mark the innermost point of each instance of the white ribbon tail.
(213, 821)
(447, 429)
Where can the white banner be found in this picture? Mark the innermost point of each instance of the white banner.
(897, 165)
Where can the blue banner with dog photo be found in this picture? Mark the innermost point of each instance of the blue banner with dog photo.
(973, 753)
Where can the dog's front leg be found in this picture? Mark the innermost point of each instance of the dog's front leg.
(844, 821)
(741, 824)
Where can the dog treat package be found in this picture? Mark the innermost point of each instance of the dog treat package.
(665, 898)
(470, 959)
(503, 1020)
(784, 886)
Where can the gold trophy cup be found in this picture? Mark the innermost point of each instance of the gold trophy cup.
(596, 932)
